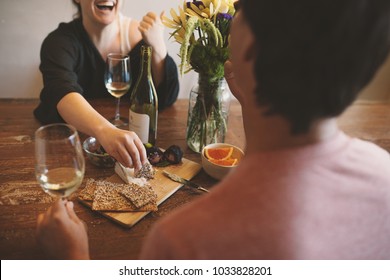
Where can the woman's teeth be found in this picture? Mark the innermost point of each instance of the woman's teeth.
(105, 6)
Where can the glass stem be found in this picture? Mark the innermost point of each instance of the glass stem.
(117, 113)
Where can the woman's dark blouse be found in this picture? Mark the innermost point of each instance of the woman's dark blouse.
(70, 62)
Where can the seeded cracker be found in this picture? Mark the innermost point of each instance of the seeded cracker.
(146, 171)
(108, 198)
(87, 193)
(139, 196)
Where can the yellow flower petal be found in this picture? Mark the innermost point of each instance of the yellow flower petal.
(200, 11)
(206, 2)
(217, 5)
(183, 17)
(195, 8)
(191, 13)
(207, 13)
(184, 5)
(178, 38)
(170, 24)
(175, 17)
(211, 8)
(181, 32)
(168, 20)
(224, 8)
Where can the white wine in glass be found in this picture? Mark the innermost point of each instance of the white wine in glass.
(117, 79)
(60, 163)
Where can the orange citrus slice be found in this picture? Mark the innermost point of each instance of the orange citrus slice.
(225, 162)
(219, 153)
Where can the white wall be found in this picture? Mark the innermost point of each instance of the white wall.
(25, 23)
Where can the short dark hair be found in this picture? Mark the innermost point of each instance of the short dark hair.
(314, 57)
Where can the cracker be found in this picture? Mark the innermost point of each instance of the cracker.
(87, 193)
(146, 171)
(108, 197)
(151, 206)
(138, 195)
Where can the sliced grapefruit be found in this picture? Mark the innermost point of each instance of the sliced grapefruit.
(224, 162)
(219, 153)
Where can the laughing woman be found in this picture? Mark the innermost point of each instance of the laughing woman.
(73, 62)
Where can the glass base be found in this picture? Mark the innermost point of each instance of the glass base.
(120, 123)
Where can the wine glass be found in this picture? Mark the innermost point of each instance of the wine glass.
(60, 163)
(117, 79)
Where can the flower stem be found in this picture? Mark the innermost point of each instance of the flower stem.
(206, 120)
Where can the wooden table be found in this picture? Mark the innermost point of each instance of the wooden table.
(21, 198)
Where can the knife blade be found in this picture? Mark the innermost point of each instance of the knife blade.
(183, 181)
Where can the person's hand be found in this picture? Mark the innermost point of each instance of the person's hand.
(61, 234)
(125, 146)
(152, 31)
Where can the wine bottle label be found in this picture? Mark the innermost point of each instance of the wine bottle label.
(139, 123)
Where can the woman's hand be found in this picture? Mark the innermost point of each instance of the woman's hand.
(61, 234)
(152, 31)
(125, 146)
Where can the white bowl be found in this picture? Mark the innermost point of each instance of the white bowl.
(218, 171)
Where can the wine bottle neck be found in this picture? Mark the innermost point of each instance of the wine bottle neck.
(146, 55)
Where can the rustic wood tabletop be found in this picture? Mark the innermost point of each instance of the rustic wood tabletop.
(21, 198)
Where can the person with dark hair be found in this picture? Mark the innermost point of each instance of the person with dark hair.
(73, 63)
(304, 190)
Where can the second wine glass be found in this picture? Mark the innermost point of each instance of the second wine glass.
(60, 163)
(117, 79)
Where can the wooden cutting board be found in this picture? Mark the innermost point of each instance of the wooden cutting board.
(163, 186)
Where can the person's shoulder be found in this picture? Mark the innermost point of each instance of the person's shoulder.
(365, 147)
(71, 27)
(65, 36)
(370, 158)
(66, 30)
(133, 23)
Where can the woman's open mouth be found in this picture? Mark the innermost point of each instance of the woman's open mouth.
(105, 5)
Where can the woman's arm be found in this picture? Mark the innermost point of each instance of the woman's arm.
(125, 146)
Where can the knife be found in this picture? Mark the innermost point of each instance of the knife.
(183, 181)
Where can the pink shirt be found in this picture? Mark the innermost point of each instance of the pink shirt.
(324, 201)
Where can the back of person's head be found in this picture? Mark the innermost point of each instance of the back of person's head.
(315, 56)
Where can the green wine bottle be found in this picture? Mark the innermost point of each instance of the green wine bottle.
(143, 110)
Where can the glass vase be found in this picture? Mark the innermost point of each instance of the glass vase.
(208, 111)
